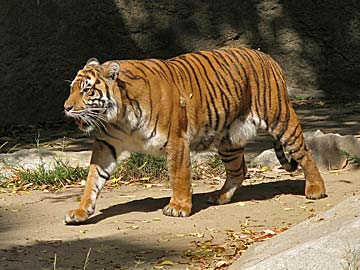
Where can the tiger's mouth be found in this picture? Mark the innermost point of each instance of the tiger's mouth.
(83, 125)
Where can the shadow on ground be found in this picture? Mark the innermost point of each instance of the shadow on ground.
(127, 252)
(260, 191)
(104, 254)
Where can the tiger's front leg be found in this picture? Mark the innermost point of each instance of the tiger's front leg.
(103, 162)
(178, 158)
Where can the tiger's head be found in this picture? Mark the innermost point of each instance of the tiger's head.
(91, 101)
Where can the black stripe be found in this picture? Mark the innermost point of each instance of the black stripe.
(103, 174)
(191, 66)
(111, 148)
(153, 133)
(250, 61)
(170, 70)
(239, 62)
(286, 142)
(224, 98)
(279, 105)
(238, 85)
(228, 159)
(265, 86)
(119, 128)
(212, 94)
(180, 73)
(225, 65)
(161, 72)
(147, 67)
(232, 150)
(167, 138)
(193, 72)
(298, 159)
(297, 149)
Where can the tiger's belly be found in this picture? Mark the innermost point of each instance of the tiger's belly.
(238, 133)
(134, 141)
(137, 143)
(199, 139)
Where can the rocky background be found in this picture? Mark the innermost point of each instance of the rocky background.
(44, 42)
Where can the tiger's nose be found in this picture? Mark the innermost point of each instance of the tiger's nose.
(68, 107)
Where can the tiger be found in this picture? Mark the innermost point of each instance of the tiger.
(215, 99)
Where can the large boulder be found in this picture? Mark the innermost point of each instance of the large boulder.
(327, 241)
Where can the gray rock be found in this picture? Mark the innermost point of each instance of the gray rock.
(331, 151)
(328, 241)
(33, 158)
(266, 158)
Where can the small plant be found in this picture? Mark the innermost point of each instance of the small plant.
(208, 168)
(58, 174)
(142, 167)
(147, 168)
(86, 262)
(353, 160)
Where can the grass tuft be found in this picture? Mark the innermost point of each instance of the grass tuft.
(59, 174)
(142, 167)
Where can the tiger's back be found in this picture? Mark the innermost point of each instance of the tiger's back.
(211, 93)
(195, 101)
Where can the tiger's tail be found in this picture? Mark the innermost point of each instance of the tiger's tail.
(289, 166)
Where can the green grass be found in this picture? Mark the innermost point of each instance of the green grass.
(142, 167)
(58, 174)
(137, 168)
(208, 168)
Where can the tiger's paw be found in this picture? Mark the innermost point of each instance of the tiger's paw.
(314, 192)
(175, 210)
(220, 198)
(76, 216)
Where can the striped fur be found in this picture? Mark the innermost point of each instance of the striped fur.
(193, 102)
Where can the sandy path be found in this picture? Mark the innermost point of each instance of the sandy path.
(128, 230)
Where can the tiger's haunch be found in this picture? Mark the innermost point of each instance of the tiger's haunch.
(197, 101)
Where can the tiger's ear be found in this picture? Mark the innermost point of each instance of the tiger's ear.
(112, 71)
(92, 62)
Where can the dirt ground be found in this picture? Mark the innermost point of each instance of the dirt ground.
(129, 231)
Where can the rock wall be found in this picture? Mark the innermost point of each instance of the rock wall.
(44, 42)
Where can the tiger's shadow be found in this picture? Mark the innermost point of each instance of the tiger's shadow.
(261, 191)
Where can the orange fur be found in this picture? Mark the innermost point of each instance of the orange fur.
(193, 102)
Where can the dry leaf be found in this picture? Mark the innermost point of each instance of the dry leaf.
(220, 264)
(268, 231)
(197, 234)
(166, 262)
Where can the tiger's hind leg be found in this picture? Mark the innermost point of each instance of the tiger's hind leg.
(234, 163)
(292, 140)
